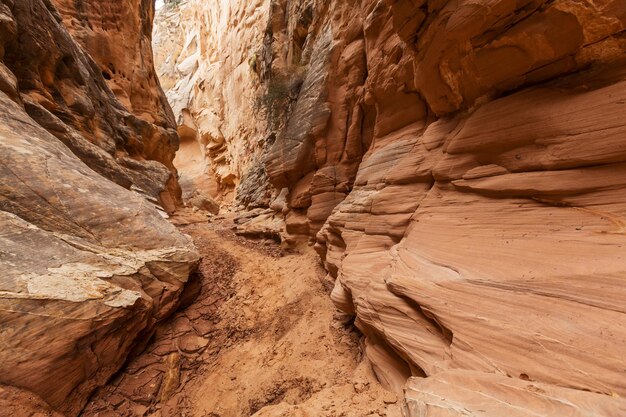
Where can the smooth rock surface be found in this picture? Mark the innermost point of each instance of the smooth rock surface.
(491, 239)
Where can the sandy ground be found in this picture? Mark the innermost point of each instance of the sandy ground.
(259, 340)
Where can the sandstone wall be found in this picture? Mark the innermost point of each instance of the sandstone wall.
(483, 229)
(205, 54)
(87, 266)
(118, 36)
(460, 164)
(65, 90)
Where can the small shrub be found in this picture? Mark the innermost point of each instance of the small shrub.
(253, 62)
(172, 4)
(281, 92)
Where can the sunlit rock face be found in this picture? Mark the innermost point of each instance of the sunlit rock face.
(460, 165)
(87, 266)
(206, 55)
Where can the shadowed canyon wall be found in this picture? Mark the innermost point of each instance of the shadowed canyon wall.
(458, 164)
(88, 265)
(118, 37)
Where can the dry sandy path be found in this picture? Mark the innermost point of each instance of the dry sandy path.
(259, 339)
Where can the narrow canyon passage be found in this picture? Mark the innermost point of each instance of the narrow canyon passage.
(259, 339)
(312, 208)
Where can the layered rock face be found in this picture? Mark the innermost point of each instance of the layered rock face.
(87, 266)
(460, 165)
(481, 244)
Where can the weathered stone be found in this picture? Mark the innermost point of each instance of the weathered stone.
(87, 267)
(191, 343)
(65, 91)
(209, 77)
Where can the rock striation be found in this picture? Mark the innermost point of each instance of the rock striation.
(459, 165)
(88, 265)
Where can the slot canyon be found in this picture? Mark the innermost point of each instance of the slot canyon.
(313, 208)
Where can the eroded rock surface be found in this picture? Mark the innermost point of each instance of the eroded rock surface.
(87, 267)
(460, 166)
(128, 137)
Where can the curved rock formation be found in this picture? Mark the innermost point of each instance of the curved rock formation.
(87, 266)
(460, 166)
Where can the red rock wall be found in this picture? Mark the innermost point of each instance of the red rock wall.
(459, 165)
(64, 88)
(462, 162)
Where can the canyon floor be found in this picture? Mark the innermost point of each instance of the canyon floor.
(260, 339)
